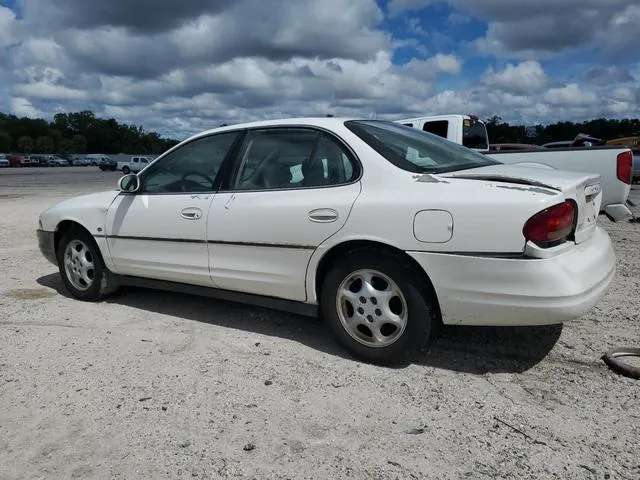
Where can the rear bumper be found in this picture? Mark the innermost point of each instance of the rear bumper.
(512, 292)
(46, 244)
(617, 212)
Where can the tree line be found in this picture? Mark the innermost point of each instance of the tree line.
(77, 133)
(603, 128)
(82, 132)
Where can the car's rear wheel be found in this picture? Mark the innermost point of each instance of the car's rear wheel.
(378, 307)
(81, 267)
(126, 170)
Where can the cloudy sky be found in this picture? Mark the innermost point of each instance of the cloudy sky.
(179, 66)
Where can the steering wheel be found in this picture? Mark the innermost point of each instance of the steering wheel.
(198, 174)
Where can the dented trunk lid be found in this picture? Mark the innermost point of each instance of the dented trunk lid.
(583, 188)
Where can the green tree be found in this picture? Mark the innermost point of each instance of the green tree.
(78, 144)
(25, 144)
(44, 145)
(65, 147)
(5, 142)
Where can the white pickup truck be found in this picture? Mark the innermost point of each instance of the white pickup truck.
(613, 164)
(133, 165)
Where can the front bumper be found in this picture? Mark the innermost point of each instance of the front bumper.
(493, 291)
(46, 243)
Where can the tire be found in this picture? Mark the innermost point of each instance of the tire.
(415, 308)
(89, 266)
(126, 170)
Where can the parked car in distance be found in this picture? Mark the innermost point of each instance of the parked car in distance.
(30, 161)
(107, 163)
(15, 160)
(56, 161)
(305, 215)
(94, 159)
(4, 163)
(613, 164)
(135, 164)
(78, 161)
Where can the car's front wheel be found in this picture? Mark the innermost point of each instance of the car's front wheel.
(81, 267)
(378, 307)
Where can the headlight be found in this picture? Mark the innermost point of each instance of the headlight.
(40, 224)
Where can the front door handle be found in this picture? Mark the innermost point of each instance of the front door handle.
(323, 215)
(191, 213)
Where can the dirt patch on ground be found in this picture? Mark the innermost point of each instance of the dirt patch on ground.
(30, 293)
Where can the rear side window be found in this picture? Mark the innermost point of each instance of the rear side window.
(412, 150)
(474, 134)
(437, 127)
(291, 158)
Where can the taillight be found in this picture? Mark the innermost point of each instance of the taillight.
(624, 166)
(552, 225)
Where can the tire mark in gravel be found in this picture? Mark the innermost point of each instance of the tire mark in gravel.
(43, 324)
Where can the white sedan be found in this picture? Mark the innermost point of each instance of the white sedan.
(386, 231)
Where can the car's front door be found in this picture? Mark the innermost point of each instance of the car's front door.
(289, 190)
(160, 230)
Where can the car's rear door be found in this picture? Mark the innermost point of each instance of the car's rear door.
(289, 190)
(160, 231)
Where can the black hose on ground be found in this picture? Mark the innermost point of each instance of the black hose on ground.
(611, 358)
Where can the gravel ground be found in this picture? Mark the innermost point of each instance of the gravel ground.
(157, 385)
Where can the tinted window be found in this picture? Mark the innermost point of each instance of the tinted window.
(191, 168)
(438, 127)
(474, 134)
(291, 158)
(414, 150)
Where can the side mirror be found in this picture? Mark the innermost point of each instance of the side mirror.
(129, 183)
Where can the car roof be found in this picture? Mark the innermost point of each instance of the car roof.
(323, 122)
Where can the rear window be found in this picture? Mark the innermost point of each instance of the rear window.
(437, 127)
(415, 150)
(474, 134)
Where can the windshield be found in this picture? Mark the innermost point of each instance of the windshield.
(414, 150)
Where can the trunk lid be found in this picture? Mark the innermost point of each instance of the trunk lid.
(583, 188)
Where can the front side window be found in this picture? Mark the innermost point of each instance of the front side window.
(192, 167)
(414, 150)
(291, 158)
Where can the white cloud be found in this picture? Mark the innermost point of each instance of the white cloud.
(22, 107)
(193, 65)
(7, 23)
(526, 77)
(533, 29)
(570, 95)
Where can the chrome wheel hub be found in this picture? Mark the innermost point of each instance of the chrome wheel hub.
(371, 308)
(78, 265)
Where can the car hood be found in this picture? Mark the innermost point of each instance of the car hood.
(88, 210)
(90, 200)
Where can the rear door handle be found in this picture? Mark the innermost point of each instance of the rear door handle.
(323, 215)
(191, 213)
